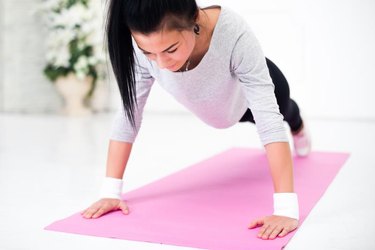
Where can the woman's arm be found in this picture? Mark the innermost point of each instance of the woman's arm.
(281, 166)
(118, 156)
(121, 138)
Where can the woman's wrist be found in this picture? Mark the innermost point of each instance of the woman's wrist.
(286, 204)
(111, 188)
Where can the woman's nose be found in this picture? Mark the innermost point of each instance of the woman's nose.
(162, 61)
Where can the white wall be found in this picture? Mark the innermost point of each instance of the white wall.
(325, 48)
(1, 55)
(24, 87)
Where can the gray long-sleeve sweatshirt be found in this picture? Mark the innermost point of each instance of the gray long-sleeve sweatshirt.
(231, 77)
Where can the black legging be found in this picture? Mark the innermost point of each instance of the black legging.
(288, 108)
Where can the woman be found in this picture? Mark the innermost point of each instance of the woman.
(210, 61)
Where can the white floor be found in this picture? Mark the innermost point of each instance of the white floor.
(51, 167)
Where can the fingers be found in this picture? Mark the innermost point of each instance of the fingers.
(124, 208)
(271, 232)
(265, 231)
(94, 211)
(275, 232)
(104, 206)
(256, 223)
(287, 230)
(275, 226)
(99, 212)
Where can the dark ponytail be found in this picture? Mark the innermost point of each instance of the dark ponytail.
(144, 16)
(121, 54)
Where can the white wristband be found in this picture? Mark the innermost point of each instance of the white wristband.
(286, 204)
(111, 188)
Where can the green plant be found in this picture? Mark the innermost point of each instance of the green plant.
(74, 42)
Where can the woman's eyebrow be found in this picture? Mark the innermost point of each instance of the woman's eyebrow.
(162, 51)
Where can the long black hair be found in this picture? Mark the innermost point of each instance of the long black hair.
(144, 16)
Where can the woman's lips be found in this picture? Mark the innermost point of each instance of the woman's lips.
(172, 66)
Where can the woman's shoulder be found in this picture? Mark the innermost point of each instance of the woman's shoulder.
(223, 16)
(231, 21)
(212, 13)
(229, 28)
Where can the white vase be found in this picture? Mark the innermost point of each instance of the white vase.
(99, 99)
(74, 91)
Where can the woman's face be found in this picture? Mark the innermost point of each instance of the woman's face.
(169, 49)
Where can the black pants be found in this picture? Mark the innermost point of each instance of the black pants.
(288, 108)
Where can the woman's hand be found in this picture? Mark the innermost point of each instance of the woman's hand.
(104, 206)
(274, 226)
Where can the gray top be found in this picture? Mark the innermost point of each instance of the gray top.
(231, 77)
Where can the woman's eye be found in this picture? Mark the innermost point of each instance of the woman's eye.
(172, 51)
(148, 54)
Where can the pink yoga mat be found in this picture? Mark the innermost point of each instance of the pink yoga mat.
(210, 204)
